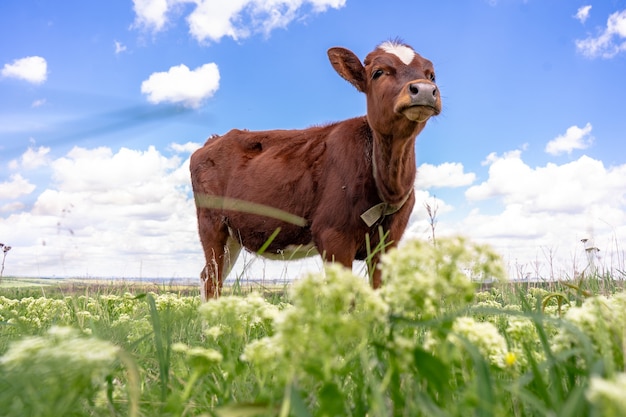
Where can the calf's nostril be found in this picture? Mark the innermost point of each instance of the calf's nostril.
(414, 89)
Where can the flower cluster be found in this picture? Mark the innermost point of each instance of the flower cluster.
(174, 303)
(602, 320)
(42, 369)
(238, 315)
(484, 336)
(125, 312)
(422, 279)
(134, 328)
(333, 315)
(30, 314)
(199, 358)
(231, 323)
(607, 396)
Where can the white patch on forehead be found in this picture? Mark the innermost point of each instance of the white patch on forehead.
(403, 52)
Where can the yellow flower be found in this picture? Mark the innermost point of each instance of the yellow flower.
(510, 359)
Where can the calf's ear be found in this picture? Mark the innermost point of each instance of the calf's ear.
(348, 65)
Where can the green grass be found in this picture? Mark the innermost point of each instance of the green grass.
(429, 343)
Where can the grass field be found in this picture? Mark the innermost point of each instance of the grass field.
(429, 343)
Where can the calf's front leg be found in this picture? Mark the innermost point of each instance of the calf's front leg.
(213, 236)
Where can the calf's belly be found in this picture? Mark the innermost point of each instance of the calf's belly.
(290, 243)
(292, 252)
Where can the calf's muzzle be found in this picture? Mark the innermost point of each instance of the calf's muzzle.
(423, 94)
(419, 101)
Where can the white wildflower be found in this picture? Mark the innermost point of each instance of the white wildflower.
(484, 336)
(602, 320)
(607, 396)
(421, 279)
(334, 314)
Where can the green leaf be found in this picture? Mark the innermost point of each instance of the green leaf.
(434, 370)
(298, 406)
(242, 410)
(331, 400)
(484, 381)
(233, 204)
(575, 405)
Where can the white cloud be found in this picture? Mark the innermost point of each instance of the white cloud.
(121, 214)
(33, 69)
(574, 138)
(38, 103)
(103, 172)
(11, 207)
(611, 40)
(448, 174)
(151, 14)
(31, 159)
(547, 243)
(571, 187)
(188, 147)
(583, 13)
(17, 186)
(212, 20)
(552, 207)
(180, 85)
(119, 47)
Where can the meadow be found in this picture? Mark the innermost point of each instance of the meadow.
(432, 342)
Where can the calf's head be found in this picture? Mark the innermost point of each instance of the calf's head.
(399, 84)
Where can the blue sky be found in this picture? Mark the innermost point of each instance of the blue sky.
(101, 104)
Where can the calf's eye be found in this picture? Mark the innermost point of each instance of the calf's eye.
(377, 74)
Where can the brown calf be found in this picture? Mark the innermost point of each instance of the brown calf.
(344, 179)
